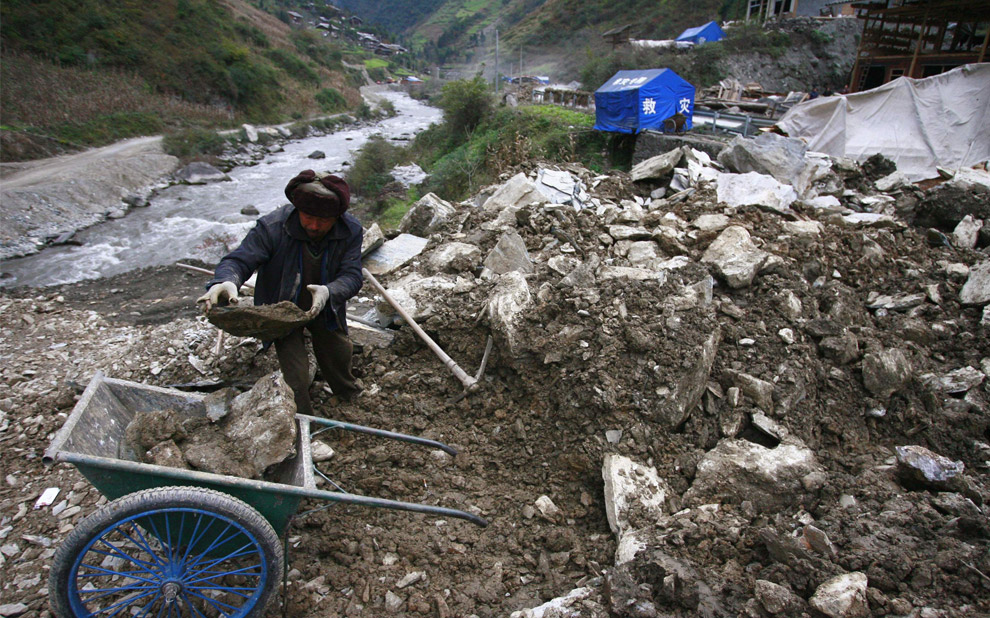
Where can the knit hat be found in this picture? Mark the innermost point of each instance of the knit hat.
(320, 195)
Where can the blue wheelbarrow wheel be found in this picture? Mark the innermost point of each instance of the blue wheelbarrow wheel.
(171, 551)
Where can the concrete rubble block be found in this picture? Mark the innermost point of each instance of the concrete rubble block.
(625, 232)
(547, 509)
(917, 464)
(976, 290)
(807, 229)
(735, 258)
(967, 232)
(518, 192)
(373, 239)
(843, 596)
(771, 478)
(455, 257)
(892, 182)
(773, 155)
(609, 273)
(777, 599)
(656, 167)
(955, 382)
(394, 253)
(632, 489)
(755, 189)
(199, 173)
(259, 431)
(886, 372)
(898, 302)
(711, 222)
(583, 276)
(631, 212)
(426, 215)
(509, 255)
(506, 306)
(676, 409)
(561, 187)
(643, 253)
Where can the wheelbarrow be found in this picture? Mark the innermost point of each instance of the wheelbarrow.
(176, 542)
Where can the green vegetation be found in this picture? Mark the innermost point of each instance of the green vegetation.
(193, 142)
(330, 100)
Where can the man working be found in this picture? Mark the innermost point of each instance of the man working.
(307, 252)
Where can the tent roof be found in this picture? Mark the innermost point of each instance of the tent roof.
(633, 80)
(693, 32)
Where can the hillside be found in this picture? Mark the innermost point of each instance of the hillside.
(88, 72)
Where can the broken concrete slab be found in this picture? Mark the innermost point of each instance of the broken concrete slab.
(560, 187)
(771, 478)
(426, 215)
(508, 255)
(976, 290)
(633, 491)
(394, 253)
(843, 596)
(755, 189)
(735, 258)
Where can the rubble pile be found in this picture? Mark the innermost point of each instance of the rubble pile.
(750, 385)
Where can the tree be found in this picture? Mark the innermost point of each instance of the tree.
(465, 104)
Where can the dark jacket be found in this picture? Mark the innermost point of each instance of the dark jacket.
(274, 248)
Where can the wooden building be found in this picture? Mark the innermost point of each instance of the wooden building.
(918, 38)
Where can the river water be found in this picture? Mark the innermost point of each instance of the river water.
(194, 221)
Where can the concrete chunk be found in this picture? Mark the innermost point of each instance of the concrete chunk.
(843, 596)
(976, 291)
(508, 255)
(753, 189)
(735, 258)
(632, 488)
(426, 215)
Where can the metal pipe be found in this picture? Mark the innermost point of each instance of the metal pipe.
(468, 382)
(330, 423)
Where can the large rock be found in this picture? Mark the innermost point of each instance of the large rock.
(967, 232)
(976, 291)
(199, 173)
(777, 599)
(735, 258)
(771, 478)
(508, 255)
(426, 216)
(676, 409)
(373, 239)
(632, 491)
(771, 154)
(419, 295)
(455, 257)
(656, 167)
(917, 464)
(754, 189)
(258, 432)
(518, 192)
(887, 371)
(394, 253)
(559, 187)
(506, 305)
(843, 596)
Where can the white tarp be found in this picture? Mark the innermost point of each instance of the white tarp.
(942, 120)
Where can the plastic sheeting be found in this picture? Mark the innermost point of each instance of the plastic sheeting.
(632, 101)
(942, 121)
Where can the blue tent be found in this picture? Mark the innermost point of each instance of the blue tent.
(703, 34)
(632, 101)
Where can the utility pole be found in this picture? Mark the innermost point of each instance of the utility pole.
(496, 62)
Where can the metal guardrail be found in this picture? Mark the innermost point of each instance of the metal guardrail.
(716, 122)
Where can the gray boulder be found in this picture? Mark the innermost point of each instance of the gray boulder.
(755, 189)
(426, 216)
(506, 306)
(509, 255)
(656, 167)
(455, 257)
(886, 372)
(199, 173)
(771, 154)
(976, 291)
(735, 258)
(843, 596)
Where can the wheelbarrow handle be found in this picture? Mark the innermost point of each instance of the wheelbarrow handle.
(330, 423)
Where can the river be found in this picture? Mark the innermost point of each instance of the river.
(196, 221)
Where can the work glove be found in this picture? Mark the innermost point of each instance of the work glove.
(320, 295)
(218, 293)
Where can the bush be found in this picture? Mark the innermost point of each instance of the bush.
(193, 142)
(292, 65)
(372, 166)
(465, 104)
(330, 100)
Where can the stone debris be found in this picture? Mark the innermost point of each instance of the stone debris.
(426, 216)
(199, 173)
(264, 322)
(758, 356)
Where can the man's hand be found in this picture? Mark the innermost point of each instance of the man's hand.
(218, 293)
(320, 295)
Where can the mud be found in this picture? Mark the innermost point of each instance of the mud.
(615, 355)
(265, 322)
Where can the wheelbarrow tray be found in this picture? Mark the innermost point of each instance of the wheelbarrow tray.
(93, 440)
